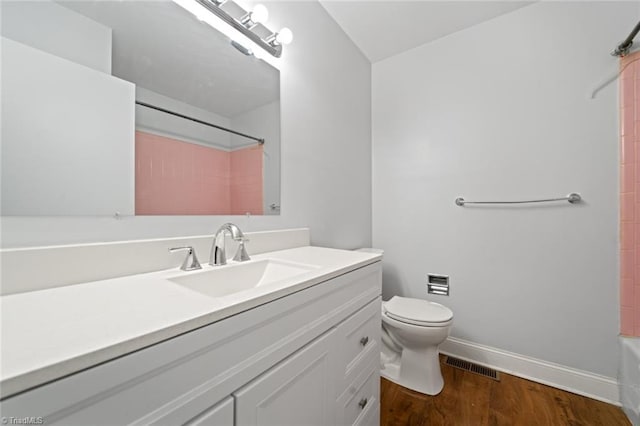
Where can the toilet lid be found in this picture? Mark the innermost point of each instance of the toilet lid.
(417, 311)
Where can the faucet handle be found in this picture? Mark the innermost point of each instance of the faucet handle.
(241, 254)
(190, 261)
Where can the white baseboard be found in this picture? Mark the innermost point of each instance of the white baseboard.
(569, 379)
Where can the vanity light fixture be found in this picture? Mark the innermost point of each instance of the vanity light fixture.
(258, 15)
(284, 36)
(243, 24)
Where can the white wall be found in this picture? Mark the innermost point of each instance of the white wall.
(326, 151)
(500, 111)
(67, 136)
(38, 23)
(263, 122)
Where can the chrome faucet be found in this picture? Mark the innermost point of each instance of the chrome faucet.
(217, 255)
(191, 261)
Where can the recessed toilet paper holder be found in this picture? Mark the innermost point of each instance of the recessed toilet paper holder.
(438, 284)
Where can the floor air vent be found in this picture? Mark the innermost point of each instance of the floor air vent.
(474, 368)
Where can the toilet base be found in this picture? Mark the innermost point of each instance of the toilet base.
(415, 370)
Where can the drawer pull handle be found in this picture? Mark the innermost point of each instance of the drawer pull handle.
(362, 403)
(364, 341)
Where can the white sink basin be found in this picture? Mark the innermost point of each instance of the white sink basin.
(229, 279)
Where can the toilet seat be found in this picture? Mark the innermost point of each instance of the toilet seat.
(418, 312)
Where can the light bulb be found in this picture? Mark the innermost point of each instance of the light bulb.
(259, 14)
(284, 36)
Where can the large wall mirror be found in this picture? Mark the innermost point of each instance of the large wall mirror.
(119, 107)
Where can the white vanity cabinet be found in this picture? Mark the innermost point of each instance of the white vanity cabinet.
(219, 415)
(310, 357)
(333, 381)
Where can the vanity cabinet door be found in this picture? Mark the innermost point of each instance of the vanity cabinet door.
(219, 415)
(297, 391)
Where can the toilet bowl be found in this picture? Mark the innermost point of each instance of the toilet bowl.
(412, 330)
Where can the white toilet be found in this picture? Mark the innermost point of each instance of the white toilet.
(412, 330)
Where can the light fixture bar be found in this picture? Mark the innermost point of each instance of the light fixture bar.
(211, 6)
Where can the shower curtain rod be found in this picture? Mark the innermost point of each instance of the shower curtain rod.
(186, 117)
(624, 47)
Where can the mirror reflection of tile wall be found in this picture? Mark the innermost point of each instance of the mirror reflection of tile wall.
(179, 178)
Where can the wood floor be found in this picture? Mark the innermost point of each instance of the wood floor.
(474, 400)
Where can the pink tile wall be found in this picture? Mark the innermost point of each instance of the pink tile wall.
(180, 178)
(630, 195)
(246, 180)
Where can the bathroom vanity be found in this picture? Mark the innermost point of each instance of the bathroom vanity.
(299, 350)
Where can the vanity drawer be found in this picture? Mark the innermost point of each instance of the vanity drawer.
(360, 402)
(358, 339)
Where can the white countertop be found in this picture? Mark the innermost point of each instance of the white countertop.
(51, 333)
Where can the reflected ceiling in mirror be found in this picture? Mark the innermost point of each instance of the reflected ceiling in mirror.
(161, 47)
(178, 64)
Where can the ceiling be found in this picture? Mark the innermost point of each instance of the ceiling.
(382, 28)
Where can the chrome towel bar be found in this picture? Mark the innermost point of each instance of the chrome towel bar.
(574, 197)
